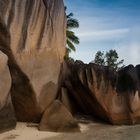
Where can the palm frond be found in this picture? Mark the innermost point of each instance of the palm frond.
(68, 49)
(72, 23)
(72, 37)
(70, 15)
(65, 8)
(70, 45)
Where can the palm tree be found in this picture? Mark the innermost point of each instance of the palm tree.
(72, 39)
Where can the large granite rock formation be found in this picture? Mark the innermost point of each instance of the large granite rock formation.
(101, 92)
(37, 46)
(32, 35)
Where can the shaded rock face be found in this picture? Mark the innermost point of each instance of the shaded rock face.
(100, 92)
(58, 119)
(7, 116)
(35, 47)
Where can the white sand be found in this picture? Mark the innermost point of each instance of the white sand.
(28, 131)
(24, 131)
(91, 131)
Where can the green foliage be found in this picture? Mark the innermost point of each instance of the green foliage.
(110, 59)
(66, 57)
(72, 39)
(99, 58)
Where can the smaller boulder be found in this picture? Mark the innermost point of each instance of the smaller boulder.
(57, 118)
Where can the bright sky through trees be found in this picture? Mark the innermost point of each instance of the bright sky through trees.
(105, 25)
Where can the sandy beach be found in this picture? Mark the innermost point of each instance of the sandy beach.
(91, 131)
(29, 131)
(26, 131)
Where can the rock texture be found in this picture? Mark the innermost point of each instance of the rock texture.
(36, 48)
(100, 92)
(33, 36)
(48, 95)
(58, 119)
(7, 116)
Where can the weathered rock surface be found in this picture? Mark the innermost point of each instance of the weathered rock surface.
(23, 96)
(99, 91)
(48, 95)
(35, 47)
(7, 116)
(32, 35)
(58, 119)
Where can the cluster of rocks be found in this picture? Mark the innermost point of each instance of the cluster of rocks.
(32, 47)
(101, 92)
(36, 85)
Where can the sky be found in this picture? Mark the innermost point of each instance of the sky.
(105, 25)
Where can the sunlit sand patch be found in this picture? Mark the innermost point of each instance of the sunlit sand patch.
(25, 131)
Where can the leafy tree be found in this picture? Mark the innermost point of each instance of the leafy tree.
(72, 39)
(110, 59)
(99, 58)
